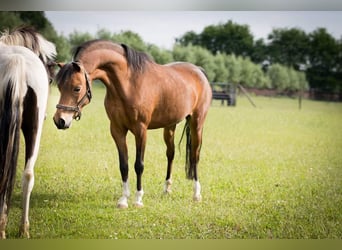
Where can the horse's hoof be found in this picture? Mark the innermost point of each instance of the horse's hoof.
(24, 235)
(2, 235)
(122, 206)
(122, 203)
(167, 187)
(167, 191)
(138, 204)
(197, 198)
(24, 231)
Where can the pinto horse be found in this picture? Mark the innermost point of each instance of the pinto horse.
(25, 69)
(141, 95)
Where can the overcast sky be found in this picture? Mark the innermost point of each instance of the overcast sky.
(162, 27)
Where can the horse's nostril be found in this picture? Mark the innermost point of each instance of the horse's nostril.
(60, 123)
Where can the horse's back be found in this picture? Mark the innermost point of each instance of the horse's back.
(35, 74)
(195, 76)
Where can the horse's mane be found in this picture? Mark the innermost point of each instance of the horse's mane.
(136, 60)
(64, 73)
(28, 37)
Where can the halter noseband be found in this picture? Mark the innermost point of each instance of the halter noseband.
(77, 108)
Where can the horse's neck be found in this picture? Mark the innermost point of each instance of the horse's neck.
(108, 66)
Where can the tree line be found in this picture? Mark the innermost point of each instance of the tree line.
(290, 60)
(317, 53)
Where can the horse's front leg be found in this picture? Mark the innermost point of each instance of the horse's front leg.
(119, 137)
(140, 141)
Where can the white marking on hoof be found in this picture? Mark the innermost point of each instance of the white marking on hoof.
(197, 192)
(122, 203)
(138, 198)
(167, 187)
(138, 204)
(197, 198)
(2, 235)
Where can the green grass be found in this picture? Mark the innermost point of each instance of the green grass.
(267, 172)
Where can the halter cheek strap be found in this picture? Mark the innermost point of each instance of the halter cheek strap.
(77, 108)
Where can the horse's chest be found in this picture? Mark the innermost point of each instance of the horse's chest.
(123, 113)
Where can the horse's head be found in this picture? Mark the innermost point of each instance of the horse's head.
(74, 86)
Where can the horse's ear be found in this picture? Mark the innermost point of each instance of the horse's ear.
(60, 65)
(76, 66)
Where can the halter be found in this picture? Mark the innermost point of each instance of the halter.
(77, 108)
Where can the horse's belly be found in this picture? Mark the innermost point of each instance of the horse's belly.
(167, 117)
(172, 109)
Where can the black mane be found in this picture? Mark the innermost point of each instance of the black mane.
(136, 60)
(64, 73)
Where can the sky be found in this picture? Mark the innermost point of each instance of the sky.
(163, 27)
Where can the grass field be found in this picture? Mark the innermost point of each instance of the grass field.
(267, 172)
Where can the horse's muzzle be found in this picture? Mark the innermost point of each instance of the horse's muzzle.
(61, 123)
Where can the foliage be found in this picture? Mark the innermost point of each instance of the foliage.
(317, 53)
(220, 70)
(286, 79)
(226, 51)
(325, 61)
(226, 38)
(77, 38)
(161, 56)
(9, 20)
(288, 46)
(12, 19)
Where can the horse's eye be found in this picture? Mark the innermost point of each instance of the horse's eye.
(77, 89)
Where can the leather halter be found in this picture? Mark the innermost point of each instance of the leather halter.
(77, 108)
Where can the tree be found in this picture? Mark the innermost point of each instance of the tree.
(234, 67)
(159, 55)
(220, 70)
(130, 38)
(288, 46)
(12, 19)
(63, 49)
(196, 55)
(260, 52)
(183, 54)
(76, 38)
(104, 34)
(325, 61)
(9, 20)
(226, 38)
(188, 38)
(278, 77)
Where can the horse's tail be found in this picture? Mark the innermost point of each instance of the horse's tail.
(189, 169)
(12, 90)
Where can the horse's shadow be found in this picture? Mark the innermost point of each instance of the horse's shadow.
(41, 200)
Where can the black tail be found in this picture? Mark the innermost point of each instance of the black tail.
(189, 169)
(10, 124)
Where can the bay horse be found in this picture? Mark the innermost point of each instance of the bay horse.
(140, 95)
(25, 68)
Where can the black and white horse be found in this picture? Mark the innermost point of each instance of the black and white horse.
(25, 70)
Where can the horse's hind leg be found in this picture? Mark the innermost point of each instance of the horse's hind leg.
(3, 219)
(169, 137)
(140, 141)
(196, 128)
(32, 129)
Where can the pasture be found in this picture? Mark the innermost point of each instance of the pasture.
(267, 172)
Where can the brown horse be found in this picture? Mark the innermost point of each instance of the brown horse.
(141, 95)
